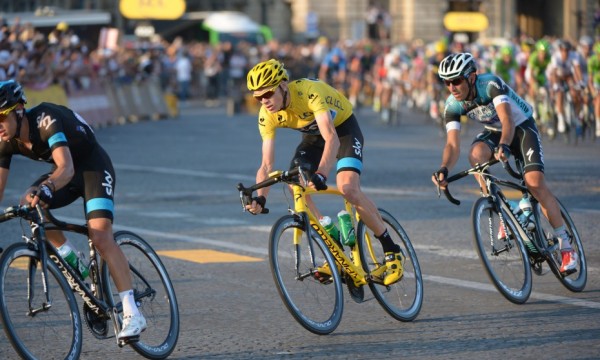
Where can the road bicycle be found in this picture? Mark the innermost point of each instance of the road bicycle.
(38, 307)
(528, 244)
(300, 247)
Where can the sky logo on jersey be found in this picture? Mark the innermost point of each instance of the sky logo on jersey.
(45, 121)
(108, 184)
(357, 147)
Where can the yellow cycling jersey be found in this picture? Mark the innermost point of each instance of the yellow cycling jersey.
(307, 98)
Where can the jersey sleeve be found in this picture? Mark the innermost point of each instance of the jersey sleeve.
(265, 124)
(452, 113)
(51, 130)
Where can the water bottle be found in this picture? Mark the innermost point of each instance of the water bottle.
(525, 206)
(330, 227)
(346, 228)
(71, 257)
(517, 210)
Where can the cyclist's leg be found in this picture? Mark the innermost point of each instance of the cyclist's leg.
(99, 183)
(482, 150)
(349, 167)
(308, 153)
(528, 148)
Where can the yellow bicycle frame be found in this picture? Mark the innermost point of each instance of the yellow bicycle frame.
(352, 267)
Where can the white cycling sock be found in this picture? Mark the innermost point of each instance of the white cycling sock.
(563, 238)
(129, 306)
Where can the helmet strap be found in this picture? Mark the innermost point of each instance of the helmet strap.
(19, 115)
(285, 99)
(471, 94)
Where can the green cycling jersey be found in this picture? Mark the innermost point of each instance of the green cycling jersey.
(594, 69)
(538, 67)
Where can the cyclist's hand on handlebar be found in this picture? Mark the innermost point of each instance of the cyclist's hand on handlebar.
(257, 205)
(318, 181)
(439, 177)
(502, 152)
(42, 195)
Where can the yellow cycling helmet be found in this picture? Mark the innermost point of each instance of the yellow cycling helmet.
(267, 74)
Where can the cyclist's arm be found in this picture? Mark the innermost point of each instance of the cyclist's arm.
(63, 173)
(266, 166)
(451, 150)
(450, 154)
(508, 124)
(3, 178)
(332, 142)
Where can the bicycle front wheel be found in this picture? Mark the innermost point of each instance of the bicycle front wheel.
(153, 292)
(36, 329)
(576, 281)
(295, 259)
(505, 259)
(404, 298)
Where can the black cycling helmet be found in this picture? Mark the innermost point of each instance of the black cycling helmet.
(11, 94)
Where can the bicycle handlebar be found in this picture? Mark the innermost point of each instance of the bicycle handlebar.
(274, 178)
(478, 168)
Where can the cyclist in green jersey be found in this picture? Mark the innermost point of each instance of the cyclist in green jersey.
(594, 84)
(505, 66)
(538, 62)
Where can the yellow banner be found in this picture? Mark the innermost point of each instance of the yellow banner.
(465, 21)
(152, 9)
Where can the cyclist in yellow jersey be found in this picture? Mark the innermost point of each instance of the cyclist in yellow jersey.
(331, 137)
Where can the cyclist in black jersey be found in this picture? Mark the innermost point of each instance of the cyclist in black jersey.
(509, 129)
(331, 137)
(80, 168)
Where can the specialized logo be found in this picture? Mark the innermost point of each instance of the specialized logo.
(280, 119)
(357, 147)
(529, 153)
(45, 121)
(108, 183)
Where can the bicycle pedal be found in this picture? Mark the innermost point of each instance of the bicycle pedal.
(128, 340)
(568, 272)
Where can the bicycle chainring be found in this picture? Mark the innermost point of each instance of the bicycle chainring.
(97, 324)
(357, 293)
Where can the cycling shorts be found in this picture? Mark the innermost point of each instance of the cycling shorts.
(310, 149)
(94, 180)
(526, 144)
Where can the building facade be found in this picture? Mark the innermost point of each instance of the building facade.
(301, 20)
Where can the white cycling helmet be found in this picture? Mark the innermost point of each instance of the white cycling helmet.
(455, 65)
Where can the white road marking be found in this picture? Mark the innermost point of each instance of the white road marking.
(262, 251)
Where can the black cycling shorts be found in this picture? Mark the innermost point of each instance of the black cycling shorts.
(526, 145)
(310, 149)
(94, 180)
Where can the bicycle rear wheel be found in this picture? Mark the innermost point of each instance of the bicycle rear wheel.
(316, 305)
(505, 260)
(153, 292)
(54, 333)
(404, 298)
(576, 281)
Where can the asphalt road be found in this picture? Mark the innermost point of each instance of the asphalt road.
(176, 187)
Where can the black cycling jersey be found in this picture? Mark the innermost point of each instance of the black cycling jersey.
(52, 126)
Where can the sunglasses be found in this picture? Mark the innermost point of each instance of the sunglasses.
(269, 94)
(455, 82)
(7, 110)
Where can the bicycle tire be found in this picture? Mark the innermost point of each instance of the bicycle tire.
(55, 333)
(403, 299)
(158, 307)
(574, 282)
(293, 270)
(506, 262)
